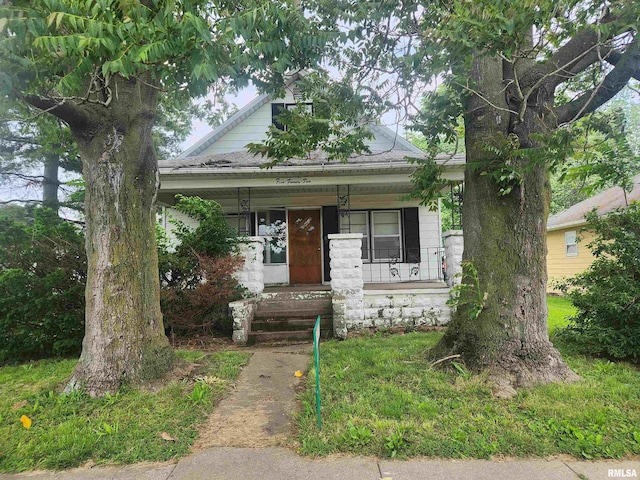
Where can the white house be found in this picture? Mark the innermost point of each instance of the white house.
(296, 208)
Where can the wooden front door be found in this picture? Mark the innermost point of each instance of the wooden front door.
(305, 255)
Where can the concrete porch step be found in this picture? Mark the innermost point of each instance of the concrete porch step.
(290, 336)
(290, 324)
(295, 311)
(289, 294)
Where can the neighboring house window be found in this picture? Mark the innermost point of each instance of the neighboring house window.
(272, 225)
(571, 244)
(381, 234)
(358, 222)
(276, 108)
(386, 239)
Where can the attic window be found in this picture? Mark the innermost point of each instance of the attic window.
(571, 244)
(276, 108)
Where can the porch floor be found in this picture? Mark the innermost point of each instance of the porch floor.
(405, 286)
(367, 286)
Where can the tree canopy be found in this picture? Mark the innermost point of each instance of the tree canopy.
(521, 75)
(102, 67)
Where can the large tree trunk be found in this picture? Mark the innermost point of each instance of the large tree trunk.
(124, 341)
(505, 240)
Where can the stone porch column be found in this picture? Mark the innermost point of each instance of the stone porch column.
(345, 252)
(251, 276)
(453, 248)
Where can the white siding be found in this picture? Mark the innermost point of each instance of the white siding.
(169, 215)
(254, 127)
(250, 130)
(429, 228)
(382, 143)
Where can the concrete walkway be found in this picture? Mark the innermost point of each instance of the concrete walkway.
(274, 463)
(257, 413)
(240, 442)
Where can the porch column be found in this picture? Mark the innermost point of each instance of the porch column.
(453, 248)
(345, 252)
(251, 276)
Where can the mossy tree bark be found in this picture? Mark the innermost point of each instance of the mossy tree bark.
(124, 340)
(505, 240)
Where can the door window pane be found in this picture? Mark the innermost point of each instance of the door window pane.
(272, 226)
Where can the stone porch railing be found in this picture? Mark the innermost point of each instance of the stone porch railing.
(354, 307)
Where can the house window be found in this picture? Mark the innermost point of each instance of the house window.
(381, 234)
(385, 234)
(272, 225)
(276, 108)
(238, 223)
(571, 244)
(359, 223)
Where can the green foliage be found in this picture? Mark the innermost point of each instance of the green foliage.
(56, 45)
(212, 236)
(380, 397)
(426, 50)
(595, 153)
(42, 278)
(337, 124)
(122, 428)
(607, 294)
(197, 276)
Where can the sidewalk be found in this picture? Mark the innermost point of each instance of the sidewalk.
(274, 463)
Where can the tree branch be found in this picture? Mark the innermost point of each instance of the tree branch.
(22, 176)
(614, 57)
(17, 200)
(573, 57)
(65, 111)
(628, 66)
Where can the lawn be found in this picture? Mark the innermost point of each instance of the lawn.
(69, 430)
(559, 309)
(380, 397)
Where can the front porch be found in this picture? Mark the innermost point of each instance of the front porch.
(288, 312)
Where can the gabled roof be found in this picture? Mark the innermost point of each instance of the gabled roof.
(604, 202)
(217, 133)
(246, 111)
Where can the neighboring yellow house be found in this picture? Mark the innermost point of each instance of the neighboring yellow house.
(568, 234)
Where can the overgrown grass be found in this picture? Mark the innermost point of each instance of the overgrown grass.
(559, 309)
(69, 430)
(380, 397)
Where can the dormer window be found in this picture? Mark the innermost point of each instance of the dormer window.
(276, 108)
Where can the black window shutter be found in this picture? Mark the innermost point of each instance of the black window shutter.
(329, 225)
(252, 227)
(411, 233)
(276, 108)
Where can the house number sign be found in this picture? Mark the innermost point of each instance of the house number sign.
(292, 181)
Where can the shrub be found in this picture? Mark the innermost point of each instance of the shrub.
(42, 279)
(197, 276)
(607, 294)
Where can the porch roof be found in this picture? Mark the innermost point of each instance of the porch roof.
(379, 172)
(242, 162)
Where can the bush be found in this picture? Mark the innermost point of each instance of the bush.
(607, 295)
(42, 279)
(197, 277)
